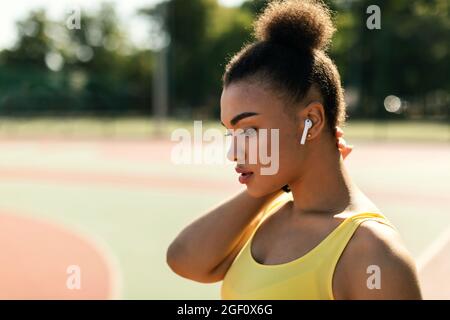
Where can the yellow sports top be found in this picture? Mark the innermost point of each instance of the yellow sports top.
(309, 277)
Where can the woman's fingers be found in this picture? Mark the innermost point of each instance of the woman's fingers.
(339, 132)
(345, 151)
(341, 142)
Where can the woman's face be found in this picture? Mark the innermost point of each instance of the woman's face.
(265, 165)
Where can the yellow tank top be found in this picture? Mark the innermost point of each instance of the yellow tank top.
(309, 277)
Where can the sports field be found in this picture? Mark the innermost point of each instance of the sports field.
(127, 197)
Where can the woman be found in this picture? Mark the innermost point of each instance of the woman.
(320, 238)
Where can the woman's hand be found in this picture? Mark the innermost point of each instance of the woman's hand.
(344, 149)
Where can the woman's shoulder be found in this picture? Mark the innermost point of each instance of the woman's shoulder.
(377, 249)
(376, 233)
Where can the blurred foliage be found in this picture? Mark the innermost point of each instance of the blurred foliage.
(95, 70)
(202, 34)
(53, 70)
(408, 57)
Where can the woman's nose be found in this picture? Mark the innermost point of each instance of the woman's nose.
(236, 152)
(231, 154)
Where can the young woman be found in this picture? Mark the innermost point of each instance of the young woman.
(320, 238)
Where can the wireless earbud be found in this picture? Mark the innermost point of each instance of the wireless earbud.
(308, 125)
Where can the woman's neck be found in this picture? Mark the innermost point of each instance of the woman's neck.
(324, 186)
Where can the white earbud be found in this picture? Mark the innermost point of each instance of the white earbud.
(308, 125)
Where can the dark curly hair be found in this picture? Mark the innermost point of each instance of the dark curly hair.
(289, 55)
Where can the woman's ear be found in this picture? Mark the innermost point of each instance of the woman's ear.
(316, 113)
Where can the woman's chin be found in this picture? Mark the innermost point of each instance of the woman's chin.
(257, 193)
(254, 192)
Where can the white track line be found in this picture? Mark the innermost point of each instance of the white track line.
(434, 249)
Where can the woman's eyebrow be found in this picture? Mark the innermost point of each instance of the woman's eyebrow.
(241, 116)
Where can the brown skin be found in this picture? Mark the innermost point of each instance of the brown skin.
(316, 210)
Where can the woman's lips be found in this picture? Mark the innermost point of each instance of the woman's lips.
(245, 175)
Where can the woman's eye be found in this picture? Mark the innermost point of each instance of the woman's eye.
(250, 132)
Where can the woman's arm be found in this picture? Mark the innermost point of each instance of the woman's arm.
(204, 249)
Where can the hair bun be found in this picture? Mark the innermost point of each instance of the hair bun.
(301, 24)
